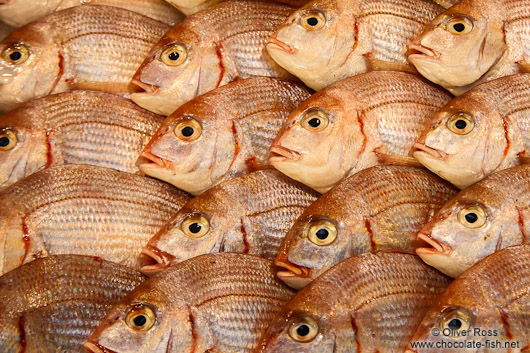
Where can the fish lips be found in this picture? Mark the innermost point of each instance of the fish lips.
(162, 260)
(282, 154)
(417, 51)
(96, 348)
(422, 149)
(296, 276)
(275, 44)
(437, 248)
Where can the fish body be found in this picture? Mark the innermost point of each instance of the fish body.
(480, 132)
(79, 127)
(379, 209)
(17, 13)
(360, 122)
(84, 210)
(221, 134)
(211, 303)
(326, 41)
(474, 42)
(84, 47)
(367, 303)
(189, 7)
(250, 214)
(480, 220)
(486, 309)
(53, 304)
(207, 50)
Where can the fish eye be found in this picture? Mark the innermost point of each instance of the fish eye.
(473, 216)
(315, 120)
(461, 123)
(16, 54)
(174, 55)
(454, 319)
(195, 226)
(8, 140)
(459, 25)
(188, 129)
(303, 330)
(140, 318)
(322, 233)
(313, 20)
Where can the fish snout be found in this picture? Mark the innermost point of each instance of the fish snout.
(146, 157)
(153, 260)
(96, 348)
(274, 43)
(421, 147)
(437, 247)
(137, 86)
(416, 48)
(283, 153)
(296, 276)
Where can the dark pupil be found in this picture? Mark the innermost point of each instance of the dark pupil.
(15, 56)
(459, 27)
(460, 124)
(315, 122)
(312, 21)
(140, 320)
(195, 228)
(174, 56)
(454, 324)
(302, 330)
(4, 141)
(187, 131)
(322, 234)
(471, 217)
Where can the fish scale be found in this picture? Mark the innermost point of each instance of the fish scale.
(231, 297)
(58, 301)
(77, 209)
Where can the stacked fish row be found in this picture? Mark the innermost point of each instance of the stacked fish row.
(323, 192)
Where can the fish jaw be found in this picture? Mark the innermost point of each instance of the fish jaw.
(438, 256)
(296, 276)
(161, 258)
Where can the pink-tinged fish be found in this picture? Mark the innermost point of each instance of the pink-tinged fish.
(250, 214)
(20, 12)
(53, 304)
(379, 209)
(84, 47)
(473, 42)
(484, 218)
(367, 303)
(221, 134)
(189, 7)
(85, 210)
(480, 132)
(211, 303)
(80, 127)
(486, 309)
(207, 50)
(326, 41)
(355, 124)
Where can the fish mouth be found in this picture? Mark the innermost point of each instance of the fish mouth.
(153, 260)
(279, 45)
(280, 153)
(295, 276)
(137, 86)
(437, 247)
(420, 147)
(149, 158)
(96, 348)
(417, 49)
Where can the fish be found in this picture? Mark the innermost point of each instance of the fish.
(367, 303)
(207, 50)
(473, 42)
(211, 303)
(484, 218)
(83, 210)
(379, 209)
(326, 41)
(18, 13)
(354, 124)
(479, 132)
(189, 7)
(222, 134)
(486, 307)
(249, 214)
(53, 304)
(84, 47)
(78, 127)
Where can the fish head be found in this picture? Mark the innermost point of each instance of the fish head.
(466, 141)
(144, 321)
(317, 145)
(193, 148)
(30, 65)
(206, 224)
(315, 43)
(460, 45)
(181, 66)
(23, 145)
(473, 225)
